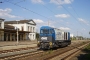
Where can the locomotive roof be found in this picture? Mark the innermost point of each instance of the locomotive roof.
(43, 27)
(48, 27)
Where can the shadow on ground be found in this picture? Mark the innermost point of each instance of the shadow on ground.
(85, 56)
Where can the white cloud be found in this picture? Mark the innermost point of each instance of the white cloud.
(53, 24)
(6, 13)
(42, 22)
(38, 21)
(37, 1)
(59, 2)
(83, 21)
(62, 15)
(65, 28)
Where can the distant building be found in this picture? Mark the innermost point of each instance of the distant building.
(28, 28)
(71, 35)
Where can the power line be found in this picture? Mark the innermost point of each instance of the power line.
(68, 12)
(74, 10)
(51, 11)
(19, 1)
(29, 10)
(76, 13)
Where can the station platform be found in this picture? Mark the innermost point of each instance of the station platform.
(7, 45)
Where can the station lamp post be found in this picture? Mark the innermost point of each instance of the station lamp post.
(17, 32)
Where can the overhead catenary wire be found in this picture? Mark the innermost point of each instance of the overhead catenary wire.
(19, 1)
(52, 12)
(28, 10)
(76, 12)
(69, 13)
(77, 15)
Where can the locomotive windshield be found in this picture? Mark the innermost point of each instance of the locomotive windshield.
(44, 31)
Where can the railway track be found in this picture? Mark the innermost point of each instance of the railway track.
(69, 54)
(34, 54)
(15, 57)
(50, 55)
(61, 53)
(12, 52)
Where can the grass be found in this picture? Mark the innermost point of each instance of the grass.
(50, 51)
(87, 48)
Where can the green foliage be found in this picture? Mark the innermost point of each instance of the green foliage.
(50, 51)
(87, 50)
(73, 38)
(37, 36)
(88, 47)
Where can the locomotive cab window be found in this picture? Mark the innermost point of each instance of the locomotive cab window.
(44, 31)
(51, 31)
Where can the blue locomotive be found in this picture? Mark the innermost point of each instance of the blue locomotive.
(53, 37)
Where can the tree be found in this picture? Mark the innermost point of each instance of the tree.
(37, 36)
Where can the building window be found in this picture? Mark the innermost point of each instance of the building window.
(22, 28)
(0, 24)
(33, 29)
(33, 36)
(28, 28)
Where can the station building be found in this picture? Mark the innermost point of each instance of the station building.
(1, 29)
(24, 29)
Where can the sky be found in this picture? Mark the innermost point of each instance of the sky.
(68, 15)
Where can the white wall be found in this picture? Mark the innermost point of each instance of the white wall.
(2, 32)
(19, 26)
(2, 24)
(31, 35)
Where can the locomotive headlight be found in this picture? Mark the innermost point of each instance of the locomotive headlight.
(50, 43)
